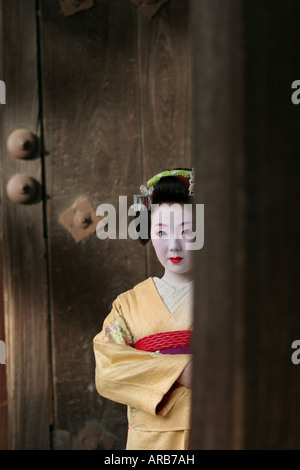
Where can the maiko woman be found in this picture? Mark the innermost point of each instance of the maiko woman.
(142, 354)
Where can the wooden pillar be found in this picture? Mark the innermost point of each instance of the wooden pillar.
(271, 312)
(246, 152)
(218, 159)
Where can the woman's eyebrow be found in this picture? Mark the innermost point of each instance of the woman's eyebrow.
(185, 223)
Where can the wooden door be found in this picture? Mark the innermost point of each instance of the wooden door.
(106, 89)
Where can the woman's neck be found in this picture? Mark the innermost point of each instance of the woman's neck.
(176, 280)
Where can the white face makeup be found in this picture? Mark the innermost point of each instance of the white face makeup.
(171, 230)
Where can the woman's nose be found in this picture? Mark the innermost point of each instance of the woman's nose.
(174, 244)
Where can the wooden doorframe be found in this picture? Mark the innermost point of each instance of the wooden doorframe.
(24, 270)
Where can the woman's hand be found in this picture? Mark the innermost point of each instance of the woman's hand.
(185, 377)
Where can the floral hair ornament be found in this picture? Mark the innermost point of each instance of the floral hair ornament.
(146, 191)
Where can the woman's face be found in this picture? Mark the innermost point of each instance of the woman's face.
(171, 231)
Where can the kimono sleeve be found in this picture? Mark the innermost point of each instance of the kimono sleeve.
(139, 379)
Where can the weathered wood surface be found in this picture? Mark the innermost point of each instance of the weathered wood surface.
(96, 108)
(3, 389)
(165, 95)
(98, 75)
(92, 138)
(219, 165)
(245, 386)
(272, 320)
(25, 282)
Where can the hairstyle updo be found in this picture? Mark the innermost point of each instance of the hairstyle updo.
(168, 190)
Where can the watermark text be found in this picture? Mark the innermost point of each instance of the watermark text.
(296, 94)
(139, 226)
(296, 354)
(2, 352)
(2, 92)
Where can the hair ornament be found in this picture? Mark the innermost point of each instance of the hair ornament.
(155, 179)
(145, 191)
(191, 186)
(144, 198)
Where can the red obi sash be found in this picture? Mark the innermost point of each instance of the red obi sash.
(170, 342)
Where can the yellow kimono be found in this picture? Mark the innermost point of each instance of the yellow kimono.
(158, 406)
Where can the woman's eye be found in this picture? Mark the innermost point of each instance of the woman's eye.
(189, 234)
(161, 233)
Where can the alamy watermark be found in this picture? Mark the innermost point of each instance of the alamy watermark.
(296, 354)
(2, 352)
(296, 94)
(2, 92)
(139, 226)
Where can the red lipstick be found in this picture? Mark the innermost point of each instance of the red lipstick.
(176, 260)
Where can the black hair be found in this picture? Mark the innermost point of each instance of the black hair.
(169, 190)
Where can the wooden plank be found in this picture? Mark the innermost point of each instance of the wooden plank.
(272, 319)
(25, 283)
(91, 113)
(164, 57)
(217, 408)
(3, 388)
(245, 386)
